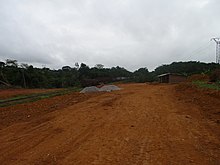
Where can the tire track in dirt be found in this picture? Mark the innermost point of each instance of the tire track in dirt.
(141, 124)
(66, 149)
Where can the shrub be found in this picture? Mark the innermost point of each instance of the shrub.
(215, 76)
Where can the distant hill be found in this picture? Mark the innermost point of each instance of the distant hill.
(187, 68)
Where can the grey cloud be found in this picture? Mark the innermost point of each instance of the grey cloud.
(128, 33)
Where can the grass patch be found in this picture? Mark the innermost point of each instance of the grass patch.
(14, 98)
(202, 84)
(34, 97)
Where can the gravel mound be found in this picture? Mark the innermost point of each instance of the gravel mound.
(90, 89)
(105, 88)
(109, 88)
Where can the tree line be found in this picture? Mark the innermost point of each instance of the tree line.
(27, 76)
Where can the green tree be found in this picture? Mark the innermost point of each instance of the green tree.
(142, 75)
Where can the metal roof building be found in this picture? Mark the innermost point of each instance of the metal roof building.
(171, 78)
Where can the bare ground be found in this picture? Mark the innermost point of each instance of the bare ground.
(141, 124)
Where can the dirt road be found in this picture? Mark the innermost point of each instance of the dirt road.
(141, 124)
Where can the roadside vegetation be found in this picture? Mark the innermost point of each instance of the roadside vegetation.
(209, 80)
(14, 74)
(202, 84)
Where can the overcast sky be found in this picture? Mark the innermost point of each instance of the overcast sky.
(128, 33)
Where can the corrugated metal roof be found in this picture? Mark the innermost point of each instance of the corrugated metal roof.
(165, 74)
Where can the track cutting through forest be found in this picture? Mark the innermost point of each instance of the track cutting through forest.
(140, 124)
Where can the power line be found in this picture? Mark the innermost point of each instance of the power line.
(197, 51)
(186, 53)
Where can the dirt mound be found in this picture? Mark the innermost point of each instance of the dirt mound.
(109, 88)
(33, 110)
(198, 77)
(206, 99)
(90, 89)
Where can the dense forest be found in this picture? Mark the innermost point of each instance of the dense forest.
(13, 74)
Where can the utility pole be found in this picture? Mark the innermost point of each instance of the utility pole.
(217, 41)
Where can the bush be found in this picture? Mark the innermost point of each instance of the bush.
(215, 76)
